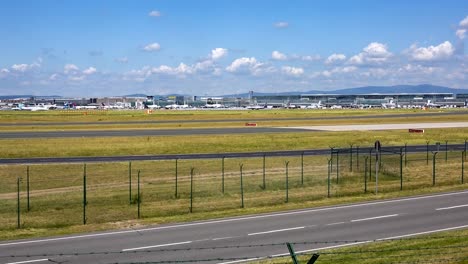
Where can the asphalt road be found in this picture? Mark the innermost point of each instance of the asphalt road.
(309, 152)
(246, 238)
(233, 120)
(147, 132)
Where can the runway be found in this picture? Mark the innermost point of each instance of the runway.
(235, 240)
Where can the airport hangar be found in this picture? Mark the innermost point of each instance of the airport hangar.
(271, 100)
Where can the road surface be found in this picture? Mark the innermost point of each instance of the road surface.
(231, 240)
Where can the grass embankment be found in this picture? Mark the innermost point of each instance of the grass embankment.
(111, 146)
(445, 247)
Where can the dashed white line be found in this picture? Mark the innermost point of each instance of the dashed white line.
(28, 261)
(452, 207)
(221, 238)
(373, 218)
(276, 231)
(156, 246)
(339, 223)
(232, 219)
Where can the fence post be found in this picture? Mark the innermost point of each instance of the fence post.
(433, 167)
(351, 157)
(241, 185)
(465, 149)
(331, 158)
(337, 166)
(302, 168)
(401, 169)
(287, 181)
(176, 177)
(27, 186)
(357, 158)
(329, 172)
(130, 182)
(365, 176)
(85, 202)
(264, 182)
(406, 160)
(139, 195)
(446, 150)
(463, 166)
(427, 152)
(370, 166)
(18, 205)
(191, 189)
(222, 174)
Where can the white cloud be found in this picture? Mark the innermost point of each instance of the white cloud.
(53, 77)
(463, 27)
(181, 70)
(276, 55)
(122, 60)
(152, 47)
(70, 68)
(4, 71)
(375, 52)
(431, 53)
(90, 71)
(154, 13)
(292, 71)
(335, 58)
(310, 58)
(249, 65)
(20, 67)
(204, 65)
(218, 53)
(464, 22)
(281, 24)
(461, 33)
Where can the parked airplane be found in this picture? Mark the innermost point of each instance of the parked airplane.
(176, 106)
(153, 106)
(255, 107)
(432, 105)
(315, 105)
(213, 105)
(390, 105)
(34, 107)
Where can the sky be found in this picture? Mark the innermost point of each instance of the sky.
(207, 47)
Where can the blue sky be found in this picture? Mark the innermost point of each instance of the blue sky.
(106, 48)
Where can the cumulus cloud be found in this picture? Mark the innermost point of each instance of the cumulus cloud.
(53, 77)
(292, 71)
(248, 65)
(181, 70)
(20, 67)
(443, 51)
(310, 58)
(335, 58)
(23, 67)
(375, 52)
(276, 55)
(218, 53)
(281, 24)
(154, 13)
(152, 47)
(90, 71)
(70, 68)
(463, 27)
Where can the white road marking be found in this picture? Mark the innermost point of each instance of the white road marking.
(28, 261)
(276, 231)
(157, 246)
(232, 219)
(452, 207)
(383, 126)
(339, 223)
(239, 261)
(373, 218)
(356, 243)
(221, 238)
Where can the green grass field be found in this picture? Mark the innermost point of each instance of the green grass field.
(57, 189)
